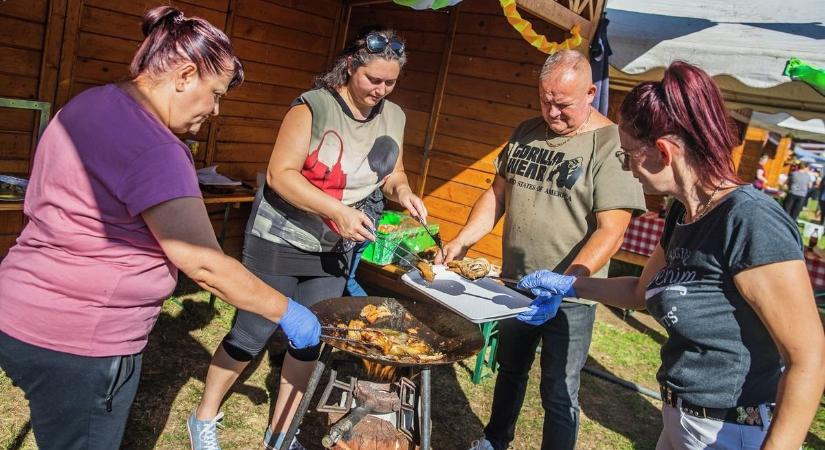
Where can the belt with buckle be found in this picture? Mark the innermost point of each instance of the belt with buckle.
(743, 415)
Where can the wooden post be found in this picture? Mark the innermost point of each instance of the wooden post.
(67, 53)
(438, 97)
(215, 124)
(49, 64)
(338, 39)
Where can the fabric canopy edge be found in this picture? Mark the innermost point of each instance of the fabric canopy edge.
(794, 97)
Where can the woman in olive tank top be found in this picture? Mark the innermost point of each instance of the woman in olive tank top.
(337, 144)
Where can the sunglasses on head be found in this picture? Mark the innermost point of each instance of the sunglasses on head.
(377, 43)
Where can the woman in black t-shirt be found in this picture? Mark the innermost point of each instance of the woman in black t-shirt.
(744, 362)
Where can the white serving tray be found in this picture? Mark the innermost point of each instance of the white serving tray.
(478, 301)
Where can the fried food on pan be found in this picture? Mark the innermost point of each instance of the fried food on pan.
(372, 313)
(435, 356)
(426, 270)
(354, 324)
(391, 343)
(379, 339)
(470, 268)
(415, 347)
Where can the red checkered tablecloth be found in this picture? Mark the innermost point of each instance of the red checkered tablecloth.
(816, 270)
(643, 233)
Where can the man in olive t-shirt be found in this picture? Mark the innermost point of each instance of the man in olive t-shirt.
(568, 202)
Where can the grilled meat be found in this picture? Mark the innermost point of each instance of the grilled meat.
(373, 313)
(471, 268)
(426, 270)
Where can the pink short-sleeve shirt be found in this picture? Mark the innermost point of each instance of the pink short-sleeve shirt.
(86, 275)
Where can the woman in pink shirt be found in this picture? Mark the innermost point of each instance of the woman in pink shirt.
(114, 211)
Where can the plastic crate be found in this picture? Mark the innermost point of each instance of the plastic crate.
(411, 236)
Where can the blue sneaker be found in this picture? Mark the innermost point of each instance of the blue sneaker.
(274, 442)
(481, 444)
(203, 434)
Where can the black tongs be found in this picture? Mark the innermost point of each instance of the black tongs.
(436, 237)
(409, 258)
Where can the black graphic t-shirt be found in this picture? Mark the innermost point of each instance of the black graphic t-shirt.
(718, 353)
(553, 192)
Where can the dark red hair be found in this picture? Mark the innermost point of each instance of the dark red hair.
(172, 39)
(687, 104)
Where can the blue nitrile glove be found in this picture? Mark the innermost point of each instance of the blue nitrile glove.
(543, 308)
(300, 325)
(547, 281)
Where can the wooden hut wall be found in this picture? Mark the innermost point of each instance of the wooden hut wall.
(757, 143)
(470, 80)
(282, 43)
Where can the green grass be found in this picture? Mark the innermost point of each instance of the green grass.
(187, 332)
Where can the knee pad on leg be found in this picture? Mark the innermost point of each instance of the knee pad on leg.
(305, 354)
(236, 353)
(240, 347)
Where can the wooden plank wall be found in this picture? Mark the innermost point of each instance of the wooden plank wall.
(490, 84)
(23, 25)
(283, 44)
(746, 156)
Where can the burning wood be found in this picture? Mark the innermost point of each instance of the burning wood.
(379, 372)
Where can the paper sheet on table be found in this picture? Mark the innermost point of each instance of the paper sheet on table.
(209, 176)
(478, 301)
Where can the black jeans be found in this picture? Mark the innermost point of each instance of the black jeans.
(793, 205)
(76, 402)
(565, 341)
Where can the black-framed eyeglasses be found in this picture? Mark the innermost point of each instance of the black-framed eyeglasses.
(376, 43)
(624, 159)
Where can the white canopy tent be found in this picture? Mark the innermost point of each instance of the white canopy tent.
(787, 125)
(744, 44)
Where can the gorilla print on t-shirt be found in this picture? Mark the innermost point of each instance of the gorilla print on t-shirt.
(548, 168)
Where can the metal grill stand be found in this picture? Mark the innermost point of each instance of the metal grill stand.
(370, 398)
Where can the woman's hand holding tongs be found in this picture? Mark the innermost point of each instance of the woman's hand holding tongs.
(353, 224)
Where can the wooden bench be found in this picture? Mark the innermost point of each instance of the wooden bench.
(631, 258)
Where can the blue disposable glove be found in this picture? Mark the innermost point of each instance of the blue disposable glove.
(300, 326)
(543, 308)
(550, 282)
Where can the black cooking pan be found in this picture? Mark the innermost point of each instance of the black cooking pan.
(442, 329)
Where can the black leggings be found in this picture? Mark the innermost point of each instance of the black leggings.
(251, 332)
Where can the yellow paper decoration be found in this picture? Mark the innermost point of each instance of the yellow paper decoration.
(537, 40)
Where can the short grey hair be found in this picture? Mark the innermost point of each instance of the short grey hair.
(564, 59)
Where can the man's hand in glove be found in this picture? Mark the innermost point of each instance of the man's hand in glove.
(548, 282)
(543, 308)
